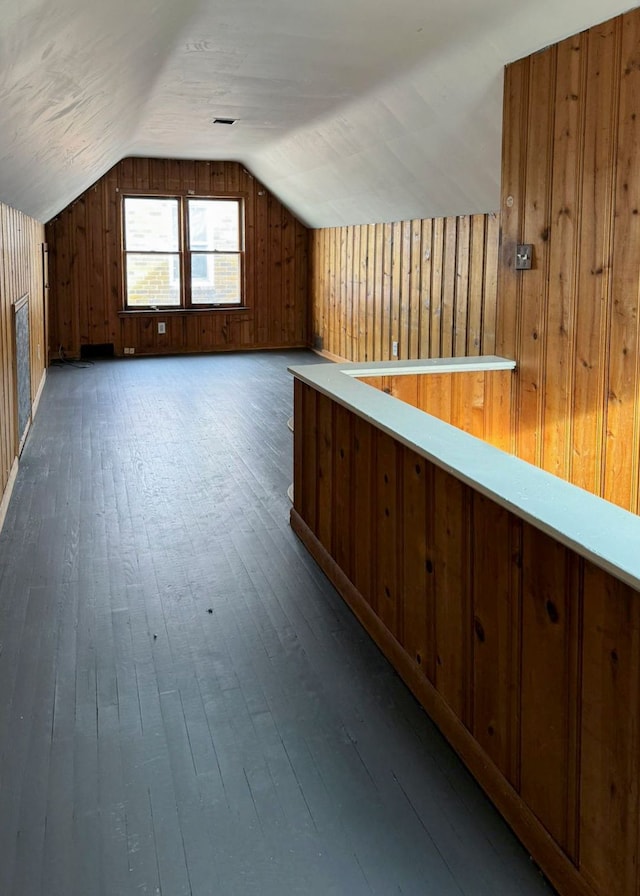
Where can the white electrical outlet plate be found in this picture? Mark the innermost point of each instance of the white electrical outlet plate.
(394, 349)
(162, 327)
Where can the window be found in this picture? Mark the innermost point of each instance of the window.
(182, 252)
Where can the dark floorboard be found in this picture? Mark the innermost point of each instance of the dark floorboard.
(187, 707)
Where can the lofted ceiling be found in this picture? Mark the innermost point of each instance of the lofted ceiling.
(350, 111)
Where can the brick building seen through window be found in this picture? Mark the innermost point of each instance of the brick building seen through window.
(182, 252)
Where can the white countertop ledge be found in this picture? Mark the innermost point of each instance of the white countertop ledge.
(427, 365)
(606, 535)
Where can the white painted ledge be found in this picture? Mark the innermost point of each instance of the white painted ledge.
(428, 365)
(597, 530)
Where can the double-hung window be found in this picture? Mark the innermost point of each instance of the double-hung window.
(182, 252)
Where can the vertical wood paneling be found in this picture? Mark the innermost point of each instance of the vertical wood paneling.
(611, 764)
(21, 273)
(496, 634)
(473, 331)
(526, 655)
(537, 230)
(550, 639)
(453, 605)
(461, 317)
(387, 291)
(299, 400)
(449, 280)
(559, 325)
(403, 387)
(415, 311)
(348, 293)
(86, 266)
(362, 471)
(571, 186)
(306, 441)
(324, 460)
(490, 281)
(261, 263)
(274, 279)
(403, 301)
(622, 424)
(437, 299)
(343, 498)
(593, 256)
(419, 597)
(370, 291)
(476, 402)
(430, 286)
(509, 296)
(387, 517)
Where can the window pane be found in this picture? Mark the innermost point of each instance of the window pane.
(151, 225)
(153, 280)
(214, 225)
(215, 279)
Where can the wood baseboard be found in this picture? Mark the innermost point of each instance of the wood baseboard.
(6, 496)
(560, 870)
(36, 400)
(330, 356)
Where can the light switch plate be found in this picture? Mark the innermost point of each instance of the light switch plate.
(524, 256)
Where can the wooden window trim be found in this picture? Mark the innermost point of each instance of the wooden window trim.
(184, 253)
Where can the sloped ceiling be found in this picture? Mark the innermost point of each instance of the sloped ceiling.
(349, 110)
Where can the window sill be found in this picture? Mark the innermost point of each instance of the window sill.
(179, 312)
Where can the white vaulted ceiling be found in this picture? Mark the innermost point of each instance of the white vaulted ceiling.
(349, 110)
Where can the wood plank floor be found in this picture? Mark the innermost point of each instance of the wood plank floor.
(186, 705)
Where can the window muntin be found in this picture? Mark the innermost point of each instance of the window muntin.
(182, 252)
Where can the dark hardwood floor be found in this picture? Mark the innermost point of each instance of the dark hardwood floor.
(186, 705)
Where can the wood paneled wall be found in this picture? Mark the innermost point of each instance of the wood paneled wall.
(571, 186)
(86, 267)
(477, 402)
(526, 655)
(21, 240)
(429, 285)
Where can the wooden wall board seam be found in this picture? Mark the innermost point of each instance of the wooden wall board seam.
(579, 659)
(542, 358)
(521, 200)
(516, 554)
(568, 457)
(605, 333)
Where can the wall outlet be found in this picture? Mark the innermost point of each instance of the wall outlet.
(394, 349)
(162, 328)
(129, 351)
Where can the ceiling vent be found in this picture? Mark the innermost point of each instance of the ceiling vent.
(224, 121)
